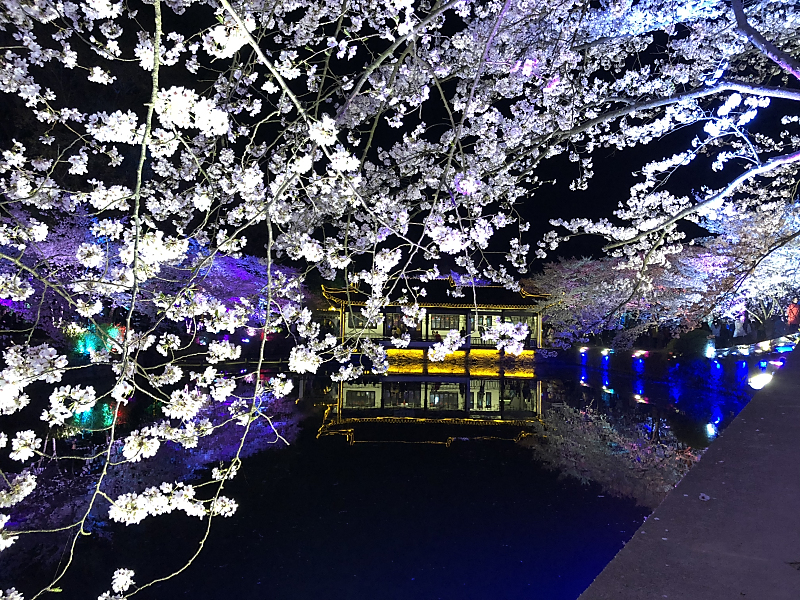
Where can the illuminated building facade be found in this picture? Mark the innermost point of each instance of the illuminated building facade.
(471, 395)
(477, 392)
(448, 306)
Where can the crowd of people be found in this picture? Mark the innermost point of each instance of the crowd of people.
(744, 330)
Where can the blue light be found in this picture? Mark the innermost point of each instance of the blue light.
(783, 349)
(716, 371)
(762, 365)
(638, 365)
(741, 372)
(711, 430)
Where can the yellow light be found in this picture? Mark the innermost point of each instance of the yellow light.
(520, 365)
(406, 361)
(452, 364)
(484, 363)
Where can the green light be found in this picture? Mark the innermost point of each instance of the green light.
(107, 415)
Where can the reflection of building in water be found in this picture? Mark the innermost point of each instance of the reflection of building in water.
(470, 311)
(486, 396)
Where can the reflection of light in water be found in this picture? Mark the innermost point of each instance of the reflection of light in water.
(759, 381)
(605, 361)
(762, 364)
(638, 365)
(584, 355)
(584, 375)
(638, 387)
(675, 388)
(716, 415)
(711, 350)
(716, 369)
(711, 430)
(741, 372)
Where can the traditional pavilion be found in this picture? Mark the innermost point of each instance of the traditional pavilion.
(475, 393)
(468, 309)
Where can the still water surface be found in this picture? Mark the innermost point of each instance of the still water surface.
(476, 519)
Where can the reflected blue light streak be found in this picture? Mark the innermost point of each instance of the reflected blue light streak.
(741, 372)
(716, 370)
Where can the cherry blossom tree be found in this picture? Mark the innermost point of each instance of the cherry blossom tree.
(376, 143)
(744, 136)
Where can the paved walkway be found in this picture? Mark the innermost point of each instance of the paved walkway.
(743, 542)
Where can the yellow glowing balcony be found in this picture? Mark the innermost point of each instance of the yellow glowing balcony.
(453, 364)
(484, 363)
(406, 362)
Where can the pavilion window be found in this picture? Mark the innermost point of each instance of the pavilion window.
(358, 322)
(444, 322)
(445, 400)
(360, 398)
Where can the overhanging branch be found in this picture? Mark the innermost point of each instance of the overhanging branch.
(771, 164)
(783, 59)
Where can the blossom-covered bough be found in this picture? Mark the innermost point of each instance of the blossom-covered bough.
(378, 144)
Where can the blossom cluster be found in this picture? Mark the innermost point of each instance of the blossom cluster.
(508, 336)
(24, 365)
(451, 342)
(132, 508)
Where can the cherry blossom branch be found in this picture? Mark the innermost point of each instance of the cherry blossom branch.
(368, 70)
(722, 86)
(766, 167)
(775, 54)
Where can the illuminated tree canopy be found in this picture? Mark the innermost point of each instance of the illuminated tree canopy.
(152, 148)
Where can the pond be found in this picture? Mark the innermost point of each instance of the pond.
(409, 512)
